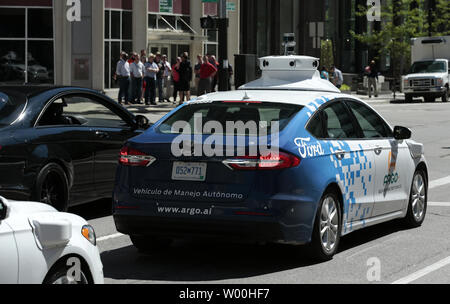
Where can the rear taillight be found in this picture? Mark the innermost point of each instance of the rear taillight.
(270, 162)
(135, 158)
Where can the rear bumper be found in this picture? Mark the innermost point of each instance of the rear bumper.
(189, 228)
(290, 222)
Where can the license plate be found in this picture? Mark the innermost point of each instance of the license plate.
(189, 171)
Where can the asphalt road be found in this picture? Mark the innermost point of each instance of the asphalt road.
(403, 256)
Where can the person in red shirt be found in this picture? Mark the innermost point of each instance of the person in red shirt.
(207, 72)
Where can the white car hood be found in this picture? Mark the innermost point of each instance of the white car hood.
(26, 208)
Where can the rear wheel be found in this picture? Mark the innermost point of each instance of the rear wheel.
(408, 98)
(148, 244)
(327, 228)
(52, 187)
(429, 99)
(446, 96)
(417, 207)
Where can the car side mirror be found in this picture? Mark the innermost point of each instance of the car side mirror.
(3, 210)
(142, 122)
(402, 133)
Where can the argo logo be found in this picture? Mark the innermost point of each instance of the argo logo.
(391, 179)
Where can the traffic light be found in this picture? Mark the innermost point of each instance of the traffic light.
(208, 23)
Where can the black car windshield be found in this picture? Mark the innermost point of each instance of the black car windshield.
(230, 118)
(11, 106)
(428, 67)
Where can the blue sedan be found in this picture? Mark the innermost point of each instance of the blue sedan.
(286, 159)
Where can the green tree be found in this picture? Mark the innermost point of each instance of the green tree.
(327, 57)
(401, 20)
(441, 19)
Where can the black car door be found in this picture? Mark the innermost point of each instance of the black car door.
(111, 127)
(70, 143)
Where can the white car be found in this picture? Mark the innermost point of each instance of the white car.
(39, 245)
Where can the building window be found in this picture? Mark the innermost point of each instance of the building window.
(211, 46)
(26, 50)
(118, 37)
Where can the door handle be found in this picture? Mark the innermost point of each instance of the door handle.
(378, 150)
(340, 154)
(102, 134)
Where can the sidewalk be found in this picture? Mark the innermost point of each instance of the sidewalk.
(382, 98)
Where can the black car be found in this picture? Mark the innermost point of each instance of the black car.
(60, 145)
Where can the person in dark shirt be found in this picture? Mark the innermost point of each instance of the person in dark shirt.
(373, 79)
(185, 78)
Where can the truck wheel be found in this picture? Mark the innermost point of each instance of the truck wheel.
(408, 98)
(446, 95)
(429, 99)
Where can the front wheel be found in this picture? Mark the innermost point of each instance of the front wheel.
(327, 228)
(61, 274)
(418, 200)
(408, 98)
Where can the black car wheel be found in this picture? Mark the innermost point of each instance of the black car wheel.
(147, 244)
(418, 201)
(60, 275)
(52, 187)
(408, 98)
(327, 228)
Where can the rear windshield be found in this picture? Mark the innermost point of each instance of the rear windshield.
(220, 117)
(11, 106)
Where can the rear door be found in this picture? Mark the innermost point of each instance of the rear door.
(353, 160)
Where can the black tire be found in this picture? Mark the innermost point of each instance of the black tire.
(445, 97)
(52, 187)
(411, 220)
(408, 98)
(316, 249)
(59, 274)
(429, 99)
(148, 244)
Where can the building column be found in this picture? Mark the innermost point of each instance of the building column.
(140, 25)
(98, 45)
(63, 44)
(196, 12)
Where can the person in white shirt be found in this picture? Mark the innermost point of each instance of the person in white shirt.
(338, 78)
(167, 72)
(123, 76)
(137, 74)
(151, 70)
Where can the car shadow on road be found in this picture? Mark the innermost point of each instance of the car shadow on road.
(94, 210)
(203, 262)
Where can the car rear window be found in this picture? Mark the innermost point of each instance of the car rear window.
(261, 115)
(11, 107)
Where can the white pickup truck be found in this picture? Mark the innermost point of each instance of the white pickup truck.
(429, 74)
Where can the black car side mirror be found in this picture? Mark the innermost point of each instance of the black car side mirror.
(3, 210)
(402, 133)
(142, 122)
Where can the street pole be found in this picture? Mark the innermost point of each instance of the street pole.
(223, 46)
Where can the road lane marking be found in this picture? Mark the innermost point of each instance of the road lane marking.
(423, 272)
(438, 204)
(439, 182)
(109, 237)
